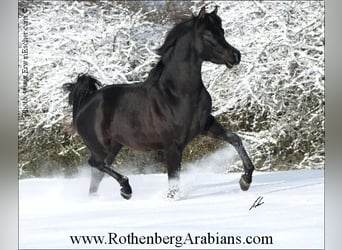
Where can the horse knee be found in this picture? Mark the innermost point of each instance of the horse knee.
(234, 139)
(95, 164)
(92, 162)
(96, 170)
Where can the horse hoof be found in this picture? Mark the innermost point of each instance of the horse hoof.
(244, 184)
(126, 190)
(125, 195)
(92, 193)
(173, 194)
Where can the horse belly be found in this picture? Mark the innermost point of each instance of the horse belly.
(135, 127)
(138, 139)
(134, 136)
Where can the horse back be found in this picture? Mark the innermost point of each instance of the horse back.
(143, 118)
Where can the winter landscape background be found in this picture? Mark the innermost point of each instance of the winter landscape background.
(274, 100)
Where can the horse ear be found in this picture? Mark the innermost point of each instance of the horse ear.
(215, 10)
(201, 14)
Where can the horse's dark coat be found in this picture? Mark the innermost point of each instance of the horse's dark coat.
(163, 113)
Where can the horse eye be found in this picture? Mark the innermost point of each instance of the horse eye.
(209, 38)
(208, 34)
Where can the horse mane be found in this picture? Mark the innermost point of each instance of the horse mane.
(165, 50)
(155, 73)
(174, 34)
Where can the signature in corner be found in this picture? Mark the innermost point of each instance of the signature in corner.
(257, 202)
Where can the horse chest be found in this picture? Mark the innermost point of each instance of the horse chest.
(190, 117)
(200, 114)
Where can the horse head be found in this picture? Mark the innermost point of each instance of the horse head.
(210, 41)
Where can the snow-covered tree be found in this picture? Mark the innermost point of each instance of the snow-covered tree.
(274, 99)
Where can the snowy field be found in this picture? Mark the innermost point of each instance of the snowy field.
(51, 210)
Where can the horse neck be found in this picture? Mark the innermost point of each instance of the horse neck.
(183, 67)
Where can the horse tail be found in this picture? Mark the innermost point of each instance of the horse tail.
(80, 91)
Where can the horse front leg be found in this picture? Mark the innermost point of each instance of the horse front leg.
(216, 130)
(173, 158)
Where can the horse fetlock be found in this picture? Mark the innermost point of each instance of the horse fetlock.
(173, 192)
(124, 181)
(93, 190)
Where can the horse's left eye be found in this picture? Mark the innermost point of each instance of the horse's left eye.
(208, 34)
(209, 38)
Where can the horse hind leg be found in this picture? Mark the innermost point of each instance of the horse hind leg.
(96, 175)
(126, 190)
(113, 149)
(101, 167)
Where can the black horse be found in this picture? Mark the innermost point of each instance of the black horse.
(165, 112)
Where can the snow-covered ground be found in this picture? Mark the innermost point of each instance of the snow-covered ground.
(211, 205)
